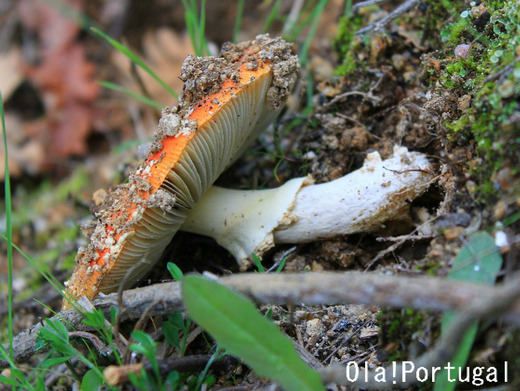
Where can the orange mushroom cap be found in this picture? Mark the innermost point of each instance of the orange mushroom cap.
(226, 102)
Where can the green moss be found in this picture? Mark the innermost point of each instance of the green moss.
(512, 353)
(36, 202)
(493, 82)
(344, 44)
(405, 328)
(42, 223)
(430, 266)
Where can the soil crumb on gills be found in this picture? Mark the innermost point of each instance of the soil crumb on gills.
(124, 206)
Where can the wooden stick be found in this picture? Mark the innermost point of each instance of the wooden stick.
(324, 288)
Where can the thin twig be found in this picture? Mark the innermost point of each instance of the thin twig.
(363, 4)
(94, 339)
(343, 342)
(398, 242)
(404, 237)
(486, 307)
(341, 97)
(379, 24)
(284, 255)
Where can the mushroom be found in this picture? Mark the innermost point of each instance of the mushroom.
(225, 103)
(253, 221)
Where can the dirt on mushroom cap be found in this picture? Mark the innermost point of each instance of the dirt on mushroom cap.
(131, 210)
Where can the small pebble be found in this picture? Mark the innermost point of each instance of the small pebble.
(314, 327)
(316, 267)
(500, 209)
(453, 232)
(504, 178)
(99, 197)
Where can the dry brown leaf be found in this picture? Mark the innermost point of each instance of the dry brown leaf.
(24, 156)
(63, 76)
(55, 31)
(165, 51)
(10, 72)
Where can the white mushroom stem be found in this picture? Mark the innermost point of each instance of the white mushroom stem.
(246, 222)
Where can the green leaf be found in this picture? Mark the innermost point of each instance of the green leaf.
(171, 334)
(60, 328)
(94, 319)
(173, 379)
(237, 326)
(177, 320)
(50, 362)
(478, 261)
(91, 381)
(40, 383)
(175, 271)
(139, 349)
(8, 380)
(143, 338)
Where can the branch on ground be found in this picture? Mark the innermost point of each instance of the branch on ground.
(427, 293)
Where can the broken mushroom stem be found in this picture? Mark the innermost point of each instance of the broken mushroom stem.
(246, 222)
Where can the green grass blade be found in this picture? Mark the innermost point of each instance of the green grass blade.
(238, 20)
(202, 30)
(348, 9)
(271, 17)
(258, 263)
(135, 95)
(196, 25)
(133, 57)
(238, 327)
(316, 15)
(478, 261)
(9, 232)
(72, 13)
(49, 277)
(191, 24)
(281, 265)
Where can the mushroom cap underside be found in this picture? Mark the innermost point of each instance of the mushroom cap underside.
(193, 146)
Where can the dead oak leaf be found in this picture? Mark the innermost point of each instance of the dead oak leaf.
(24, 155)
(164, 53)
(64, 77)
(68, 90)
(55, 31)
(10, 72)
